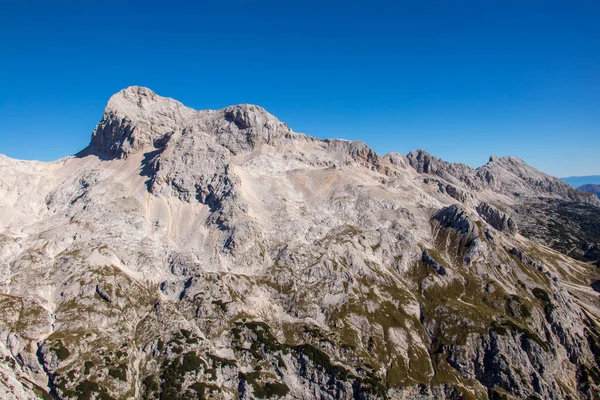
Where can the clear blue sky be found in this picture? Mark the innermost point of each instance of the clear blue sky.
(460, 79)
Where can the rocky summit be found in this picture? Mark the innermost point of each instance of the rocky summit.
(218, 254)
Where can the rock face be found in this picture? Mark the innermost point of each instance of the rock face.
(219, 254)
(497, 218)
(457, 217)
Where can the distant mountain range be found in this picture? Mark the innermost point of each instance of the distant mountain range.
(590, 188)
(577, 181)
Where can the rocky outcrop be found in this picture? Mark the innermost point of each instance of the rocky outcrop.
(457, 217)
(496, 218)
(506, 175)
(425, 163)
(137, 120)
(437, 267)
(511, 175)
(104, 294)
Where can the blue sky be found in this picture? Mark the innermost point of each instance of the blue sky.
(460, 79)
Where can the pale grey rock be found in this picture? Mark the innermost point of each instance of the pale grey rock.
(425, 163)
(510, 174)
(507, 175)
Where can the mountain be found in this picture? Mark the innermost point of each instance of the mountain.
(590, 188)
(218, 254)
(577, 181)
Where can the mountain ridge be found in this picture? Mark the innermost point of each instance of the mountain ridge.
(128, 104)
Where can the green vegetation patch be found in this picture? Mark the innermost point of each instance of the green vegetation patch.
(87, 367)
(120, 372)
(191, 362)
(542, 295)
(85, 390)
(271, 389)
(62, 353)
(202, 389)
(221, 304)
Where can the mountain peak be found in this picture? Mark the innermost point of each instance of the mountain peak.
(130, 98)
(136, 119)
(506, 160)
(136, 92)
(134, 100)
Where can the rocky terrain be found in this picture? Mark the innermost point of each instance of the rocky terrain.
(218, 254)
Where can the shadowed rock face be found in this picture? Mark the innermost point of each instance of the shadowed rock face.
(219, 254)
(457, 217)
(497, 218)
